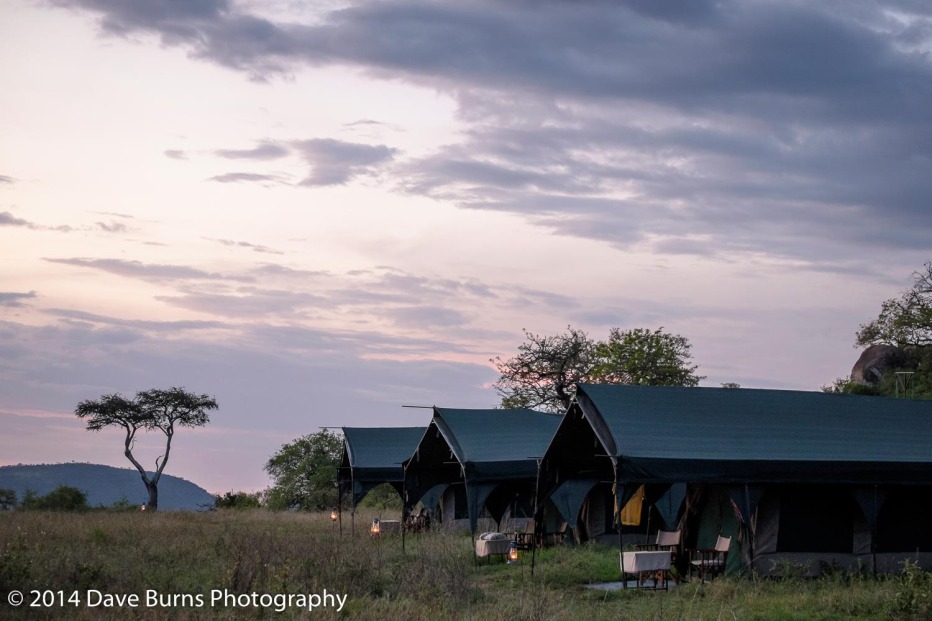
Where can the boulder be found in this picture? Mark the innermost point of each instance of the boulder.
(875, 361)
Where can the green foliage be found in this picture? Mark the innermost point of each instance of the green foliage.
(645, 357)
(237, 500)
(7, 499)
(546, 370)
(382, 497)
(62, 498)
(305, 473)
(913, 597)
(906, 320)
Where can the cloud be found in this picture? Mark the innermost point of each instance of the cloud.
(147, 271)
(262, 151)
(6, 179)
(334, 162)
(237, 177)
(245, 303)
(242, 244)
(8, 219)
(112, 227)
(175, 154)
(11, 299)
(798, 130)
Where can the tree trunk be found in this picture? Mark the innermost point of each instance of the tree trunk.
(153, 490)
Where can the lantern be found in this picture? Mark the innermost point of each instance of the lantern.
(333, 515)
(513, 553)
(376, 528)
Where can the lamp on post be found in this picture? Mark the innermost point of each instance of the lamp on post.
(376, 529)
(333, 514)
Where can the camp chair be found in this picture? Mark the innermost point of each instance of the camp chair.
(666, 540)
(710, 561)
(556, 537)
(524, 539)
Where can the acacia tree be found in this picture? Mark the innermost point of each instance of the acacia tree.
(305, 472)
(906, 320)
(150, 410)
(545, 372)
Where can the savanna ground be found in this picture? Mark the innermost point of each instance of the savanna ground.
(435, 577)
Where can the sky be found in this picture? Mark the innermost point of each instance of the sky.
(319, 212)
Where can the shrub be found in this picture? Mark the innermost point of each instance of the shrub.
(62, 498)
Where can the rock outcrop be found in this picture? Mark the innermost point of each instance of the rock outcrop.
(875, 361)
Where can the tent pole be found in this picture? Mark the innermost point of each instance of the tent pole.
(535, 532)
(876, 511)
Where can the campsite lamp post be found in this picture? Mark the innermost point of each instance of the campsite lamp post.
(376, 529)
(513, 553)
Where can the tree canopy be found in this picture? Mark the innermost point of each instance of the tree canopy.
(149, 410)
(545, 372)
(906, 320)
(305, 472)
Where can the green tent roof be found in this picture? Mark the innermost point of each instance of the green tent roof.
(375, 454)
(496, 444)
(743, 435)
(487, 450)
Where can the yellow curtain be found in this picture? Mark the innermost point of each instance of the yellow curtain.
(631, 512)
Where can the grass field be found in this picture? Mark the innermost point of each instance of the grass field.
(174, 563)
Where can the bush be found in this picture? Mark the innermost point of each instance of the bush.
(237, 500)
(62, 498)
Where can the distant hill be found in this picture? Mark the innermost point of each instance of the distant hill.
(104, 485)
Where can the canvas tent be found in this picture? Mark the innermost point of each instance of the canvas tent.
(779, 470)
(372, 456)
(490, 456)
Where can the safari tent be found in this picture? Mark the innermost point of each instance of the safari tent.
(372, 456)
(807, 477)
(480, 460)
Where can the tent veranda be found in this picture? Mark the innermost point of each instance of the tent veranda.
(373, 456)
(493, 453)
(760, 449)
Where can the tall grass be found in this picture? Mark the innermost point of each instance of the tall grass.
(434, 577)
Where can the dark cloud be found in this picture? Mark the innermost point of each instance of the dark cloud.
(334, 162)
(15, 300)
(262, 151)
(147, 271)
(795, 129)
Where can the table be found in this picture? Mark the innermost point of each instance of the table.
(488, 547)
(646, 563)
